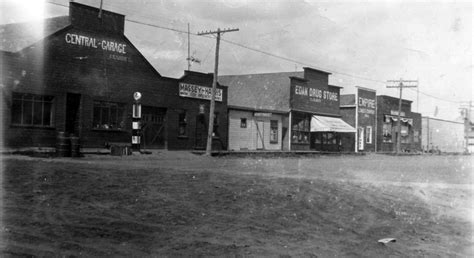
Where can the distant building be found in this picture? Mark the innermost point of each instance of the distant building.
(360, 111)
(284, 111)
(442, 135)
(469, 132)
(387, 125)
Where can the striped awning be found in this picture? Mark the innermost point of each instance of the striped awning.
(330, 124)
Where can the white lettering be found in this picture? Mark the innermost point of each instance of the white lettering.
(92, 42)
(200, 92)
(369, 103)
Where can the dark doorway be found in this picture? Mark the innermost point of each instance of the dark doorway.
(201, 132)
(73, 103)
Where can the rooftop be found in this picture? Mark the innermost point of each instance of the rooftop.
(266, 91)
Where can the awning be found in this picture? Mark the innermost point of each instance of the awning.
(330, 124)
(403, 119)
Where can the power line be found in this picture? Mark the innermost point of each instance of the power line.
(272, 55)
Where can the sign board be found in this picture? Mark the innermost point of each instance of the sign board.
(258, 114)
(198, 92)
(395, 113)
(314, 97)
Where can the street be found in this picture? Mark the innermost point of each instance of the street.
(180, 204)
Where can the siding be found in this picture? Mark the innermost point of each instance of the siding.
(246, 138)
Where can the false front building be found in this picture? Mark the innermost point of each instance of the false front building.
(77, 75)
(284, 111)
(387, 125)
(359, 110)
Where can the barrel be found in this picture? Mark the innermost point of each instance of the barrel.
(75, 146)
(63, 147)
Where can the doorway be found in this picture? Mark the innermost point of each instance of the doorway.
(260, 134)
(73, 104)
(153, 127)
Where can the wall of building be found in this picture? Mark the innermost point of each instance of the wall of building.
(93, 65)
(348, 139)
(247, 138)
(366, 119)
(442, 135)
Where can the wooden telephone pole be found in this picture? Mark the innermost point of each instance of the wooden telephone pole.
(210, 128)
(400, 84)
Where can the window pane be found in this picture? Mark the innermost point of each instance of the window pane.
(120, 118)
(105, 118)
(96, 120)
(47, 114)
(113, 117)
(27, 112)
(37, 113)
(16, 111)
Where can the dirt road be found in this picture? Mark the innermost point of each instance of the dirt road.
(179, 204)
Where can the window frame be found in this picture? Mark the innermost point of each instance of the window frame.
(274, 131)
(368, 134)
(300, 129)
(243, 122)
(32, 100)
(109, 109)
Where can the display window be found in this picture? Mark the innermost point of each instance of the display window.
(108, 115)
(301, 128)
(387, 132)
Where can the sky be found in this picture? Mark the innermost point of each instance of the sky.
(362, 43)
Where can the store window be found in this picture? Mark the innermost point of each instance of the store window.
(243, 123)
(387, 132)
(300, 129)
(273, 131)
(368, 134)
(182, 123)
(108, 115)
(405, 133)
(32, 110)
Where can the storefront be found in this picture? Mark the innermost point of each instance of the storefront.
(287, 111)
(79, 78)
(190, 112)
(359, 110)
(387, 125)
(315, 119)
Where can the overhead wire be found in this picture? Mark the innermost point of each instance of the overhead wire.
(272, 55)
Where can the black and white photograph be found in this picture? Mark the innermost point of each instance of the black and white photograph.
(236, 128)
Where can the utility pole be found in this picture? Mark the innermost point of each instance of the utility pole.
(210, 128)
(400, 84)
(189, 51)
(466, 110)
